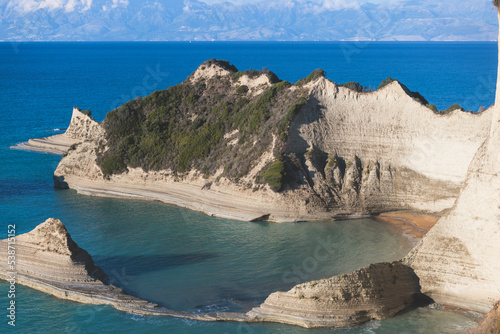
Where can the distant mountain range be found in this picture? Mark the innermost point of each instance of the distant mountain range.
(290, 20)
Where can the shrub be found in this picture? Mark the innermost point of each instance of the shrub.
(113, 164)
(221, 63)
(386, 82)
(273, 175)
(452, 108)
(242, 90)
(237, 75)
(290, 115)
(432, 107)
(355, 86)
(87, 112)
(311, 77)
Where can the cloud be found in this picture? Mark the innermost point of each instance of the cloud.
(118, 3)
(338, 4)
(317, 7)
(26, 6)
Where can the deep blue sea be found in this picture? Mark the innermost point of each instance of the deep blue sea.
(182, 259)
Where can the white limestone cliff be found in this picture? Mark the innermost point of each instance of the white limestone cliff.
(457, 261)
(376, 292)
(372, 152)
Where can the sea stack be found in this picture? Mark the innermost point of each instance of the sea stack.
(375, 292)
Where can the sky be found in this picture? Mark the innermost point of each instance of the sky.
(334, 1)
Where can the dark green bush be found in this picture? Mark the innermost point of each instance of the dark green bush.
(221, 63)
(318, 73)
(386, 82)
(355, 86)
(273, 174)
(451, 109)
(242, 90)
(432, 107)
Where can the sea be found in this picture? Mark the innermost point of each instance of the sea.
(186, 260)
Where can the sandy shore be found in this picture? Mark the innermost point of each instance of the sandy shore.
(412, 224)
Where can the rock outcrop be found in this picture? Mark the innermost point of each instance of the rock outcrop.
(491, 323)
(377, 292)
(457, 261)
(347, 154)
(81, 128)
(381, 151)
(47, 259)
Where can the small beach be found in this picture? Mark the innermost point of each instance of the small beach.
(412, 224)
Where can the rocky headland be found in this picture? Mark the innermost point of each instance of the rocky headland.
(245, 145)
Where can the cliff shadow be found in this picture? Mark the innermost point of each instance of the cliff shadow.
(120, 267)
(310, 113)
(60, 183)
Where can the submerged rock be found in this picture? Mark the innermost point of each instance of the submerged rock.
(377, 291)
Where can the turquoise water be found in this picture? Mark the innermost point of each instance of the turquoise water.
(182, 259)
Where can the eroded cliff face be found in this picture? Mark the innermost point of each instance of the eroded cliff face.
(346, 154)
(83, 127)
(457, 261)
(374, 152)
(377, 292)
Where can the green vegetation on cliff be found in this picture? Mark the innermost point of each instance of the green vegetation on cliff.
(216, 125)
(273, 175)
(208, 124)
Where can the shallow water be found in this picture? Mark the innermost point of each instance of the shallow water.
(182, 259)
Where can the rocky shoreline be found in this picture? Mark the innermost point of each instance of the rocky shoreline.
(48, 260)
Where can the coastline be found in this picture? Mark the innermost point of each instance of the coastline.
(413, 224)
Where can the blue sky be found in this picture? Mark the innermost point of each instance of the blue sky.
(250, 1)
